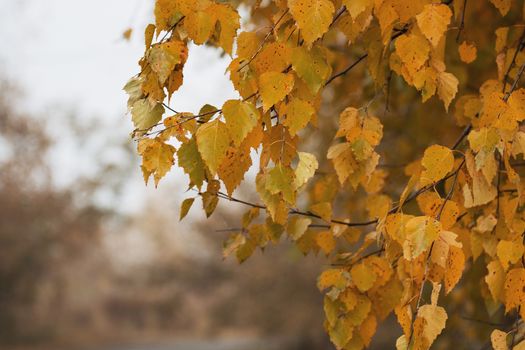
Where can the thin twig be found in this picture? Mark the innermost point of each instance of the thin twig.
(266, 37)
(346, 70)
(361, 58)
(462, 23)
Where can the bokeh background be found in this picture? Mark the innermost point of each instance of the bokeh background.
(90, 258)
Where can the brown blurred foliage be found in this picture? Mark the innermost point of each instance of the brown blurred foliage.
(41, 228)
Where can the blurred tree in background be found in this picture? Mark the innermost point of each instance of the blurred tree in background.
(74, 273)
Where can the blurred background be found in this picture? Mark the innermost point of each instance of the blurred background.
(90, 258)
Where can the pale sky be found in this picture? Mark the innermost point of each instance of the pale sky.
(69, 55)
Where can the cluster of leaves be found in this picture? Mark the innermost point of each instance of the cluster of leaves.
(469, 195)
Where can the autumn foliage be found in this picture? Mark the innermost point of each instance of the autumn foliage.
(386, 134)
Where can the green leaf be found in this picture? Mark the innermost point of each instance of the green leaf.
(185, 207)
(145, 114)
(311, 66)
(280, 180)
(210, 198)
(190, 160)
(305, 169)
(274, 204)
(134, 90)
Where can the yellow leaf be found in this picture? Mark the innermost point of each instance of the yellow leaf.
(190, 160)
(229, 21)
(146, 114)
(213, 140)
(232, 244)
(499, 340)
(297, 226)
(502, 5)
(157, 158)
(482, 191)
(386, 297)
(363, 276)
(454, 268)
(341, 333)
(433, 21)
(210, 198)
(407, 9)
(468, 52)
(516, 102)
(343, 159)
(333, 278)
(401, 343)
(353, 125)
(368, 329)
(279, 146)
(280, 179)
(520, 346)
(241, 117)
(326, 241)
(149, 32)
(274, 87)
(387, 16)
(305, 169)
(509, 252)
(495, 279)
(298, 114)
(349, 298)
(200, 25)
(514, 289)
(236, 163)
(243, 80)
(404, 317)
(435, 318)
(413, 50)
(420, 232)
(447, 87)
(274, 57)
(313, 17)
(311, 66)
(438, 161)
(440, 252)
(247, 45)
(275, 206)
(353, 28)
(168, 12)
(323, 209)
(378, 205)
(185, 207)
(245, 251)
(360, 312)
(134, 90)
(164, 57)
(356, 7)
